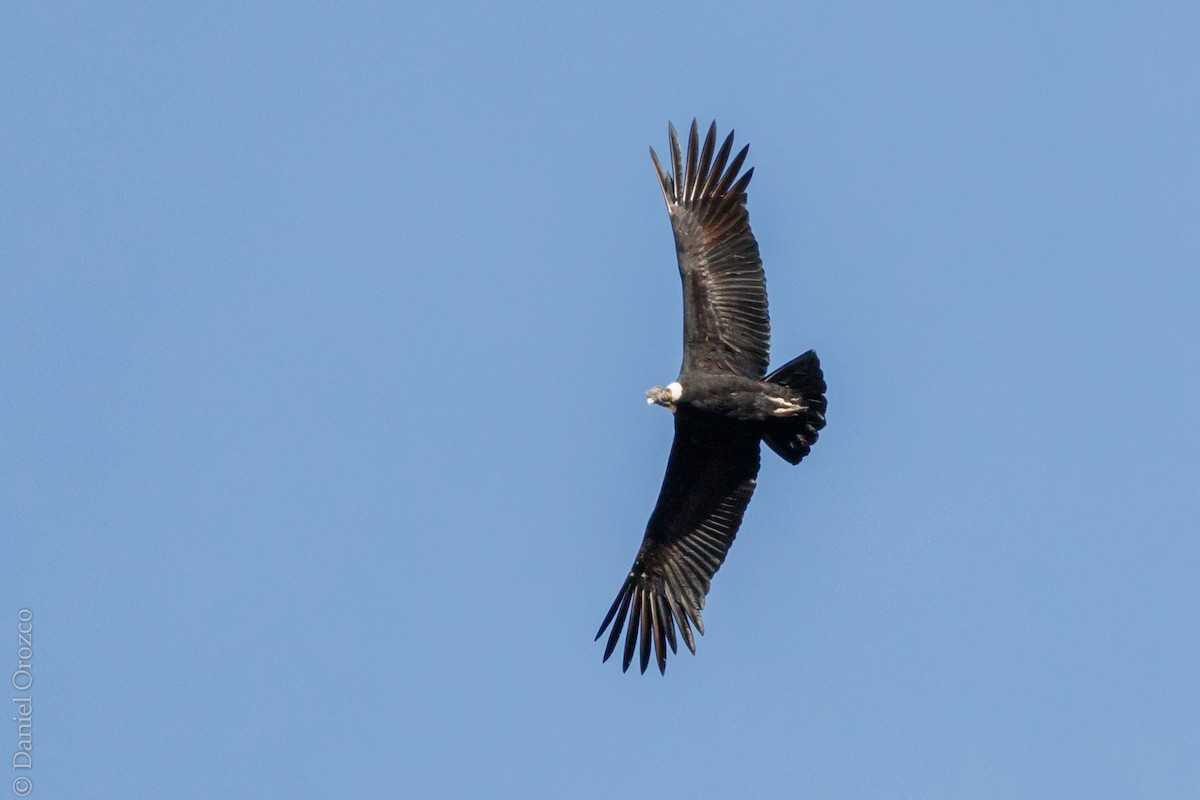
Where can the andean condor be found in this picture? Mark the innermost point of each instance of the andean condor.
(723, 401)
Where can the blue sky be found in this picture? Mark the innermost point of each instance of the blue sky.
(323, 448)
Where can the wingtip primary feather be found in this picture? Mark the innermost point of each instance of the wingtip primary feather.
(609, 616)
(631, 633)
(731, 172)
(644, 638)
(653, 616)
(664, 180)
(676, 160)
(693, 147)
(651, 620)
(711, 168)
(698, 173)
(665, 614)
(739, 188)
(658, 623)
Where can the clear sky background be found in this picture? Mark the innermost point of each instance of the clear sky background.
(324, 332)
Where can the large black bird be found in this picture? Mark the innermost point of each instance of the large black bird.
(723, 401)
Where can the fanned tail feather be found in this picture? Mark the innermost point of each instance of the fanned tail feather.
(793, 437)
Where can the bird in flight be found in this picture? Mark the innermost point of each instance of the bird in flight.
(723, 401)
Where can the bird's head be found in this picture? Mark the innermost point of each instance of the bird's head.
(666, 396)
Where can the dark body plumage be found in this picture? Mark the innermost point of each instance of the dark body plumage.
(723, 401)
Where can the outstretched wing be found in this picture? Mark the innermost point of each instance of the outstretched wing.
(725, 322)
(710, 478)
